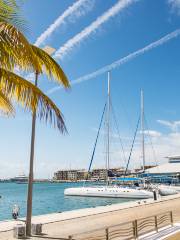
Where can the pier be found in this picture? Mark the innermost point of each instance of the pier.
(62, 225)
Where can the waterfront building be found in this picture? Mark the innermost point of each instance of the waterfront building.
(172, 168)
(120, 171)
(139, 170)
(99, 174)
(95, 174)
(82, 174)
(166, 172)
(61, 175)
(70, 175)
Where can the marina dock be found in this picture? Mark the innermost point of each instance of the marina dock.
(61, 225)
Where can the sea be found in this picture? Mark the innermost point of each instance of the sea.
(47, 198)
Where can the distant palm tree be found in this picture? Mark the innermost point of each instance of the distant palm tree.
(16, 51)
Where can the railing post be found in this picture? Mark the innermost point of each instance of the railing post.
(156, 224)
(135, 230)
(171, 218)
(107, 234)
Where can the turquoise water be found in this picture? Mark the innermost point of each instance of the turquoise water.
(47, 198)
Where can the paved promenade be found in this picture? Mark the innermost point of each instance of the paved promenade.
(61, 225)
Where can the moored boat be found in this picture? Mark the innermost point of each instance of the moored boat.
(166, 190)
(109, 191)
(20, 179)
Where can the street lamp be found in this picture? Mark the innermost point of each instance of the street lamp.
(50, 51)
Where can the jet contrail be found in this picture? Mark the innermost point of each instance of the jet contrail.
(86, 32)
(79, 8)
(123, 60)
(76, 10)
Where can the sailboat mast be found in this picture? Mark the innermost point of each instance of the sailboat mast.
(142, 128)
(108, 121)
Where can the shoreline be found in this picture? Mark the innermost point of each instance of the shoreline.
(98, 211)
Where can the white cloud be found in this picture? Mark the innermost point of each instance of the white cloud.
(92, 28)
(152, 133)
(156, 150)
(172, 125)
(78, 9)
(162, 146)
(175, 5)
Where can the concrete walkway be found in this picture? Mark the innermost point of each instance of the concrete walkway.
(61, 225)
(175, 236)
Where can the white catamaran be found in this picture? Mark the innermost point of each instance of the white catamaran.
(109, 190)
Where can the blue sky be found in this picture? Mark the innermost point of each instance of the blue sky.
(135, 25)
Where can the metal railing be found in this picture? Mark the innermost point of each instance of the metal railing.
(128, 230)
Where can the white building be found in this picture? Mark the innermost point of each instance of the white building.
(172, 168)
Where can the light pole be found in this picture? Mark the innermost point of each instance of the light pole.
(50, 51)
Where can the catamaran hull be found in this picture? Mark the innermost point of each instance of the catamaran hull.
(108, 192)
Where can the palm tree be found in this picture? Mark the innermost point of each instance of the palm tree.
(15, 50)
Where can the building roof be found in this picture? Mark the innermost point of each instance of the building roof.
(173, 167)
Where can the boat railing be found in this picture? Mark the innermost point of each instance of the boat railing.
(128, 230)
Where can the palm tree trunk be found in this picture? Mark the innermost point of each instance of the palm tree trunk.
(30, 180)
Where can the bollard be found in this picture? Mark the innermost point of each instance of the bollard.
(36, 229)
(155, 195)
(19, 231)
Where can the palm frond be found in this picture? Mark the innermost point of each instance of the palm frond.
(6, 106)
(31, 97)
(16, 50)
(10, 13)
(51, 67)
